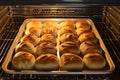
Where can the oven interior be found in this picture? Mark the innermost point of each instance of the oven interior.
(106, 19)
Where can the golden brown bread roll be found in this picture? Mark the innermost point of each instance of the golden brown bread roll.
(82, 30)
(34, 30)
(47, 62)
(69, 47)
(25, 46)
(49, 30)
(87, 36)
(94, 61)
(51, 23)
(31, 38)
(46, 47)
(67, 29)
(82, 24)
(69, 37)
(67, 23)
(90, 47)
(34, 23)
(23, 60)
(48, 38)
(69, 61)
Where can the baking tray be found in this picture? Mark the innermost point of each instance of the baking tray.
(7, 62)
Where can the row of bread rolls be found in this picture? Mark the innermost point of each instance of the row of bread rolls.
(84, 31)
(68, 38)
(90, 47)
(68, 61)
(26, 61)
(39, 29)
(88, 40)
(69, 48)
(48, 43)
(73, 62)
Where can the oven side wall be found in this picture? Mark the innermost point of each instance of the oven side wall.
(111, 17)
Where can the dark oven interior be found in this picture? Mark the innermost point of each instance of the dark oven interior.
(106, 19)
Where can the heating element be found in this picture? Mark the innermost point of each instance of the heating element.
(17, 14)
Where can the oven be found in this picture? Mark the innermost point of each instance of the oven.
(105, 15)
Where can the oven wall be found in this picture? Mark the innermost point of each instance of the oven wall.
(112, 19)
(5, 19)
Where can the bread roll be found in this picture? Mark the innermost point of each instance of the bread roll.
(87, 36)
(69, 47)
(69, 61)
(31, 38)
(23, 60)
(51, 23)
(67, 29)
(25, 46)
(34, 23)
(82, 30)
(47, 62)
(90, 46)
(82, 24)
(48, 38)
(67, 23)
(49, 30)
(46, 47)
(94, 61)
(33, 30)
(69, 37)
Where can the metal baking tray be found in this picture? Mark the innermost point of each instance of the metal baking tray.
(7, 62)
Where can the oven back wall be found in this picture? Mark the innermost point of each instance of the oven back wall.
(22, 12)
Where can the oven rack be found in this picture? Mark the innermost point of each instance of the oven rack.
(9, 35)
